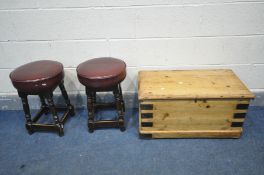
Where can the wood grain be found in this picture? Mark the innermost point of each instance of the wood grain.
(191, 84)
(195, 103)
(195, 134)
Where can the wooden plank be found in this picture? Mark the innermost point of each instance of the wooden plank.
(191, 126)
(195, 133)
(190, 115)
(164, 115)
(184, 101)
(195, 105)
(206, 120)
(146, 120)
(191, 84)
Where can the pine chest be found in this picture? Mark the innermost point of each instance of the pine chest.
(192, 104)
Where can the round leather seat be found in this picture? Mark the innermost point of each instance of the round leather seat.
(101, 73)
(38, 76)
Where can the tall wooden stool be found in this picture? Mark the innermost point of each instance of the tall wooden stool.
(101, 75)
(41, 78)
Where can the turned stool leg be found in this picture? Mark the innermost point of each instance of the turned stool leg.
(94, 97)
(119, 108)
(66, 98)
(44, 106)
(90, 107)
(27, 112)
(54, 114)
(121, 97)
(94, 101)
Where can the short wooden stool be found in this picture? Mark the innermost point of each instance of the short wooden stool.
(41, 78)
(101, 75)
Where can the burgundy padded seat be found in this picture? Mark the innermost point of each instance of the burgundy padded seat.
(37, 76)
(101, 73)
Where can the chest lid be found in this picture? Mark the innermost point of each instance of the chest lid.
(191, 84)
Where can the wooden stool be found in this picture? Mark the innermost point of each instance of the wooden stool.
(101, 75)
(41, 78)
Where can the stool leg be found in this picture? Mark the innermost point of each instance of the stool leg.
(90, 107)
(94, 97)
(54, 113)
(119, 107)
(26, 111)
(94, 101)
(66, 98)
(121, 97)
(43, 104)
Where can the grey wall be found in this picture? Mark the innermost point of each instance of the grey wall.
(147, 34)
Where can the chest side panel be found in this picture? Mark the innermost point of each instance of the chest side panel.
(158, 116)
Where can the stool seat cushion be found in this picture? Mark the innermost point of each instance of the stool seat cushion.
(36, 77)
(101, 73)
